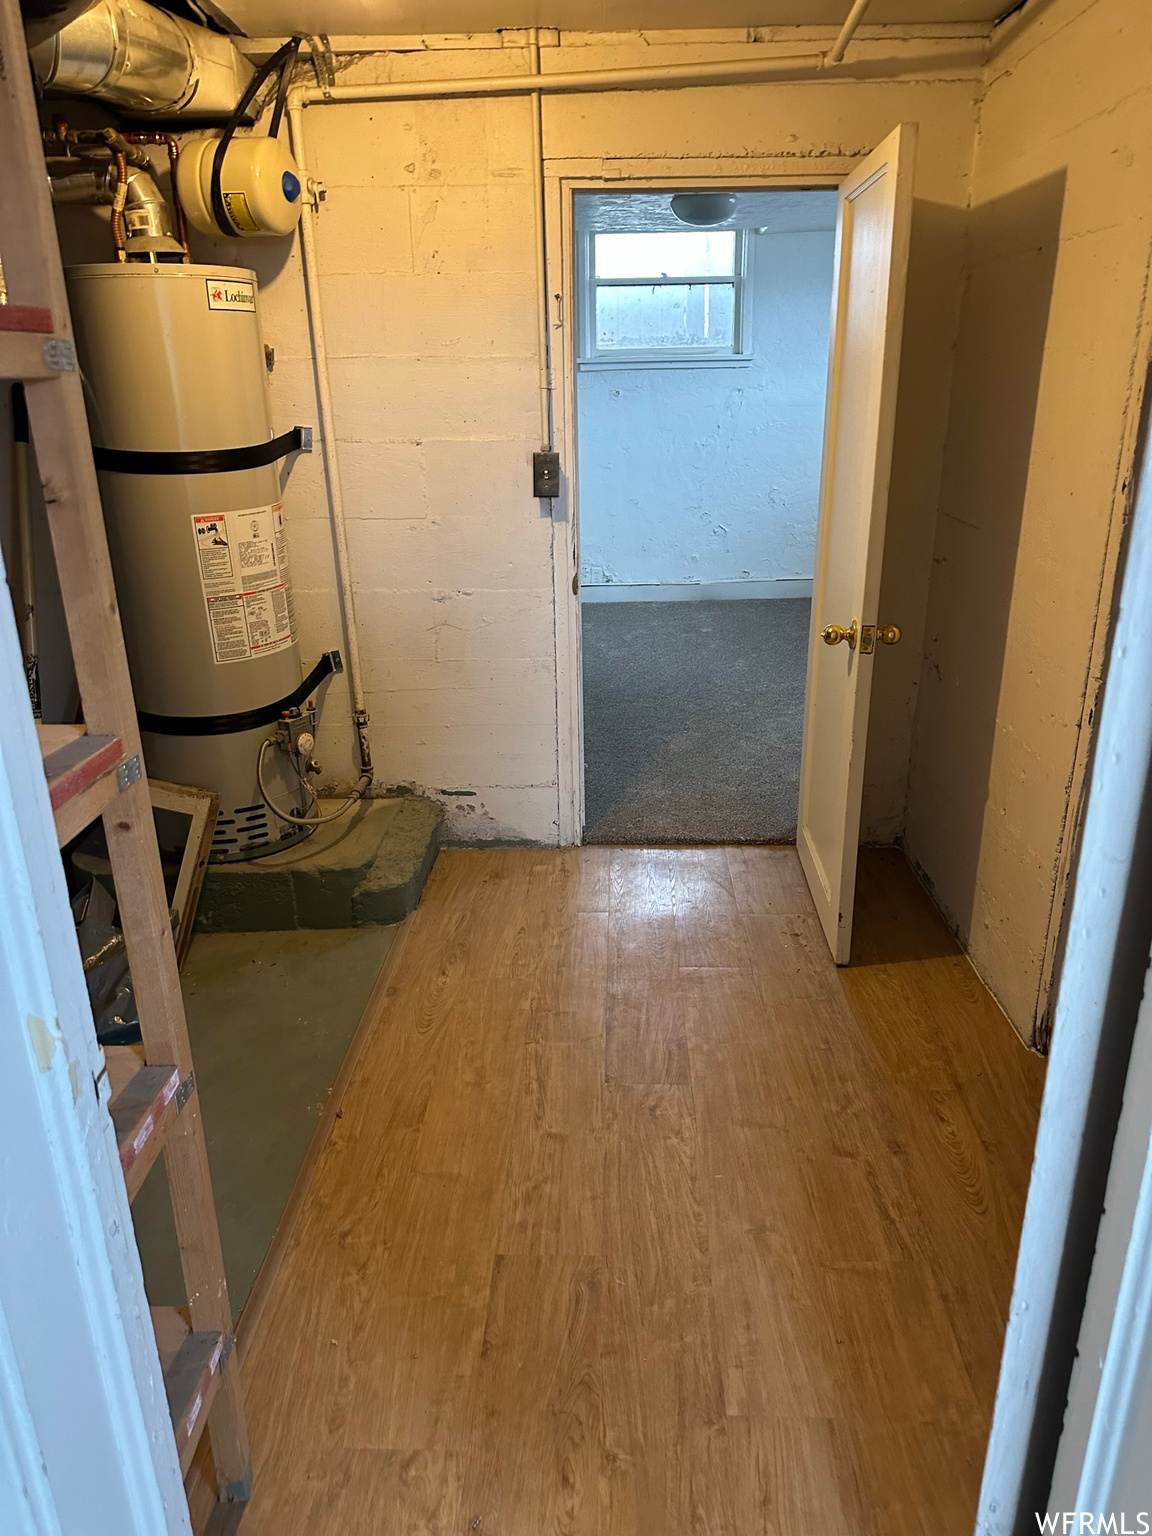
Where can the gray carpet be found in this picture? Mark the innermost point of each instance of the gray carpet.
(692, 720)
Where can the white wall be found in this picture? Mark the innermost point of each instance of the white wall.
(427, 260)
(426, 251)
(713, 474)
(1049, 374)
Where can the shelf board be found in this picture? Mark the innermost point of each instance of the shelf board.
(81, 774)
(143, 1108)
(191, 1364)
(24, 356)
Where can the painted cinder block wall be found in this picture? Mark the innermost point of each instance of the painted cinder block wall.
(429, 292)
(1051, 356)
(427, 261)
(426, 250)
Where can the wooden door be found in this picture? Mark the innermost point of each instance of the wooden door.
(844, 645)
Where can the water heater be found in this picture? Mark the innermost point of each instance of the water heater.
(177, 388)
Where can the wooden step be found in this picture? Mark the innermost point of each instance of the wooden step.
(191, 1363)
(144, 1104)
(81, 774)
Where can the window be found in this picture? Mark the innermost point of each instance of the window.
(656, 298)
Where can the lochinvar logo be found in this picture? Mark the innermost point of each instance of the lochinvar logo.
(236, 294)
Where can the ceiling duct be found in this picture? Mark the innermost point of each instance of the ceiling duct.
(143, 60)
(44, 18)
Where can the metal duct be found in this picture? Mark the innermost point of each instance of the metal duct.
(148, 222)
(44, 18)
(144, 60)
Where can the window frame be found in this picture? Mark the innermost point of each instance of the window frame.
(590, 358)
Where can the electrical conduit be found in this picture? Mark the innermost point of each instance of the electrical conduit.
(847, 31)
(543, 338)
(645, 77)
(328, 442)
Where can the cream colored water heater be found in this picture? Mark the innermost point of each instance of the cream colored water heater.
(177, 390)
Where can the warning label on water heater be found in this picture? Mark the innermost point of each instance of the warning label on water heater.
(243, 560)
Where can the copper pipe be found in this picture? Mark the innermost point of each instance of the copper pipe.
(118, 204)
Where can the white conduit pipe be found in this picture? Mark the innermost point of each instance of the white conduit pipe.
(328, 442)
(847, 31)
(644, 77)
(543, 338)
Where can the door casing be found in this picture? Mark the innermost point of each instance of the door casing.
(562, 181)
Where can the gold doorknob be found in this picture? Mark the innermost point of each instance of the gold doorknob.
(833, 634)
(888, 634)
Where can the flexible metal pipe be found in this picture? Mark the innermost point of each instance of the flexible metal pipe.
(331, 457)
(847, 31)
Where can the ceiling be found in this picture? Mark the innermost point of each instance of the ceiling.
(375, 18)
(784, 213)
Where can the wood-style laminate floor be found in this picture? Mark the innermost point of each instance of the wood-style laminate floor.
(642, 1220)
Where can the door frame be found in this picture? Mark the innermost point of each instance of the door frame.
(1076, 1228)
(563, 179)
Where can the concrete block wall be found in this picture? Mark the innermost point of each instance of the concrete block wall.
(1051, 355)
(427, 263)
(1020, 389)
(1021, 381)
(428, 282)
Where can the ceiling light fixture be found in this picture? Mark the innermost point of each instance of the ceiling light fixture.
(703, 210)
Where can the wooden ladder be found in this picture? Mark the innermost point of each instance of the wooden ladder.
(97, 771)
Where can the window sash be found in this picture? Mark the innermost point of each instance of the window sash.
(589, 283)
(694, 281)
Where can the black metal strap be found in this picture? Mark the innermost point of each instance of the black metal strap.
(245, 720)
(202, 461)
(20, 433)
